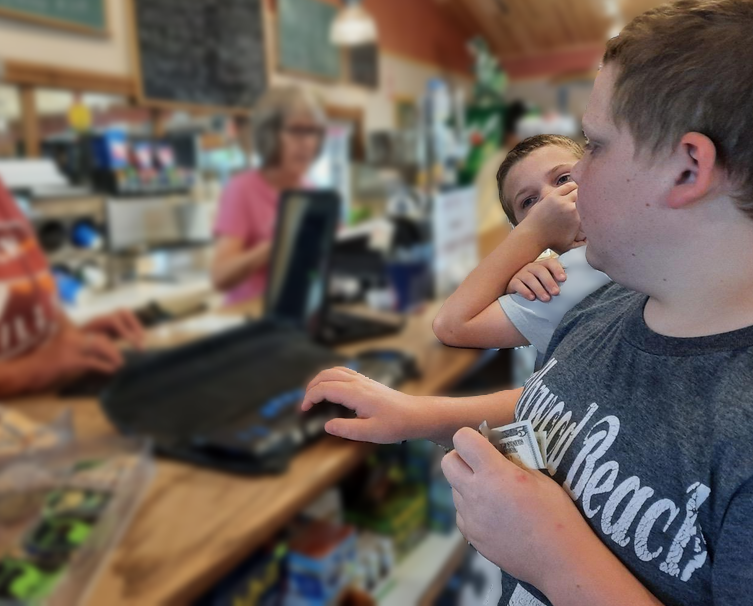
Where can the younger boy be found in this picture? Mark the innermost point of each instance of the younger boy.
(534, 184)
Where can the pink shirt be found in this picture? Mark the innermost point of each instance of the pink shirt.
(248, 211)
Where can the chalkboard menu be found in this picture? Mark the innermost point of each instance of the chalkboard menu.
(363, 65)
(303, 38)
(202, 52)
(87, 16)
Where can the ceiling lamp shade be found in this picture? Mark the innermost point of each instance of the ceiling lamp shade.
(353, 26)
(613, 12)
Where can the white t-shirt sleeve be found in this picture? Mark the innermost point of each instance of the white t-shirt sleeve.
(537, 320)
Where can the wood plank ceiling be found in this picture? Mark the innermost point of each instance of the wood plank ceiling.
(525, 29)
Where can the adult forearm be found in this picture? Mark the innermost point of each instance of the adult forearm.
(22, 376)
(489, 280)
(440, 418)
(229, 271)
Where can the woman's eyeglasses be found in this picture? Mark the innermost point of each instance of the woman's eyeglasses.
(300, 132)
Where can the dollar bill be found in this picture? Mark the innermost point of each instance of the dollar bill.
(518, 443)
(541, 440)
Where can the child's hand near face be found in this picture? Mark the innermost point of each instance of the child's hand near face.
(555, 220)
(539, 280)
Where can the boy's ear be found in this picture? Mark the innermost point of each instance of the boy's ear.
(696, 162)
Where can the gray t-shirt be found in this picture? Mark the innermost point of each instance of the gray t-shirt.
(652, 437)
(537, 320)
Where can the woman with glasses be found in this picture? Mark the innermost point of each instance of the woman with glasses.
(288, 131)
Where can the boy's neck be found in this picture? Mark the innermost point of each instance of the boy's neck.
(710, 290)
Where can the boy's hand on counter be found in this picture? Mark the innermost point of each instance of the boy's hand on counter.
(539, 280)
(554, 221)
(384, 415)
(73, 353)
(119, 325)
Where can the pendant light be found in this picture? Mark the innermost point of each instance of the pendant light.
(353, 26)
(613, 12)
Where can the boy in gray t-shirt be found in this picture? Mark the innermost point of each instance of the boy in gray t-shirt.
(646, 392)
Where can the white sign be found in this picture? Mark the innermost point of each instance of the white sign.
(455, 238)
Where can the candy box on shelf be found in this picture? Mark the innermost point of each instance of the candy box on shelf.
(62, 511)
(401, 516)
(259, 581)
(320, 561)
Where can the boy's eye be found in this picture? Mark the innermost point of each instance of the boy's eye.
(566, 178)
(591, 147)
(528, 202)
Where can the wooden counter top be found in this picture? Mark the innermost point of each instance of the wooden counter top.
(195, 525)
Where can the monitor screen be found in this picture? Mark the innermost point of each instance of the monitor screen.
(299, 270)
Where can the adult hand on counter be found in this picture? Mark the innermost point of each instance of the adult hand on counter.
(118, 325)
(384, 416)
(72, 353)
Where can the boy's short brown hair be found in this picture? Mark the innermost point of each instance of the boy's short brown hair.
(521, 151)
(686, 67)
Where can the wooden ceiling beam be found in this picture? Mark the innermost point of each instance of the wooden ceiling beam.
(586, 47)
(498, 29)
(484, 26)
(568, 24)
(561, 61)
(489, 12)
(593, 15)
(457, 11)
(538, 23)
(506, 42)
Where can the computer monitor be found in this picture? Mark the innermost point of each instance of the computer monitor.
(299, 268)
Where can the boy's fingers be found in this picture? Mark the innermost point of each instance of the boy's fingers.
(517, 287)
(457, 471)
(339, 373)
(556, 269)
(567, 188)
(544, 275)
(358, 430)
(337, 392)
(532, 282)
(474, 449)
